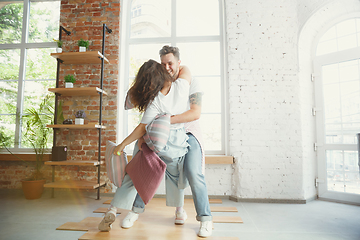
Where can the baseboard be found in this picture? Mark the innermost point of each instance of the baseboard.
(268, 200)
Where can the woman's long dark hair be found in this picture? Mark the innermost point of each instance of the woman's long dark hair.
(148, 82)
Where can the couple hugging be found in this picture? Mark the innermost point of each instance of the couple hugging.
(167, 88)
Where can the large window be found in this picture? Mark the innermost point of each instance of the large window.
(27, 30)
(337, 62)
(196, 28)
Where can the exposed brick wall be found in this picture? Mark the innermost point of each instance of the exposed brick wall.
(85, 19)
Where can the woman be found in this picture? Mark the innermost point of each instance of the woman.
(153, 92)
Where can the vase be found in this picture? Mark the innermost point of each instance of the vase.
(69, 85)
(33, 189)
(82, 49)
(79, 121)
(59, 50)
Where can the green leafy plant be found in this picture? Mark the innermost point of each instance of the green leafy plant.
(83, 43)
(36, 134)
(70, 78)
(5, 140)
(58, 42)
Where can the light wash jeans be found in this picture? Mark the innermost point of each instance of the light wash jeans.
(126, 196)
(193, 172)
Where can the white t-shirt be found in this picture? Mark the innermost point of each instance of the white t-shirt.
(175, 102)
(194, 88)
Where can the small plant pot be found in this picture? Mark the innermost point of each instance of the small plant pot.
(79, 121)
(33, 189)
(82, 49)
(59, 50)
(69, 85)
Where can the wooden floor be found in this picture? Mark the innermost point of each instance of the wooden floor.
(157, 222)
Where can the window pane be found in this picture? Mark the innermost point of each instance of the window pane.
(11, 17)
(7, 128)
(8, 96)
(211, 131)
(344, 35)
(44, 21)
(346, 28)
(342, 102)
(330, 74)
(211, 100)
(343, 171)
(150, 19)
(347, 42)
(202, 58)
(197, 18)
(335, 173)
(34, 92)
(326, 47)
(141, 53)
(9, 64)
(134, 119)
(9, 75)
(40, 65)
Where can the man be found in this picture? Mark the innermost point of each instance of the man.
(194, 163)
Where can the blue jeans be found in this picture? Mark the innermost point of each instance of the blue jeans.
(126, 196)
(193, 172)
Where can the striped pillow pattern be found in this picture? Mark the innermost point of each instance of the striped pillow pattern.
(115, 165)
(157, 132)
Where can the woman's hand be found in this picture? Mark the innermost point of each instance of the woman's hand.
(118, 150)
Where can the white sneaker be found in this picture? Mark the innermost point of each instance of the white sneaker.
(129, 220)
(109, 218)
(180, 217)
(205, 229)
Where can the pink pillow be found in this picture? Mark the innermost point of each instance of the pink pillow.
(146, 170)
(115, 165)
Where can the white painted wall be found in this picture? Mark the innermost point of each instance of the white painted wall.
(271, 127)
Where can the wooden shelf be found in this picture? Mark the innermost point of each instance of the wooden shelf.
(80, 57)
(81, 184)
(81, 91)
(77, 126)
(74, 163)
(219, 159)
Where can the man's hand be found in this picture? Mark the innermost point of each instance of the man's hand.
(140, 142)
(191, 115)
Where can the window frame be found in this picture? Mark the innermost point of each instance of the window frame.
(173, 40)
(23, 46)
(321, 145)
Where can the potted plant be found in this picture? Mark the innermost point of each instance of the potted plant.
(79, 117)
(83, 45)
(36, 135)
(69, 81)
(59, 45)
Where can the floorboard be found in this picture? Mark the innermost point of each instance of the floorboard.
(157, 222)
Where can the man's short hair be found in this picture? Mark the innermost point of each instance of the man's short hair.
(169, 49)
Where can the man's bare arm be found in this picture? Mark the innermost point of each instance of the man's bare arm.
(192, 114)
